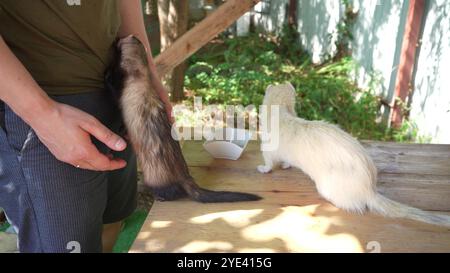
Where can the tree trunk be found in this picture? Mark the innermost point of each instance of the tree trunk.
(151, 20)
(173, 20)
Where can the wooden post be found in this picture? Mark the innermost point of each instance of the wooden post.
(201, 34)
(292, 13)
(403, 85)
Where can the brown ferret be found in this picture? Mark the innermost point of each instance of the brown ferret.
(164, 169)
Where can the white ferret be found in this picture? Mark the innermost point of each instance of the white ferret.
(343, 172)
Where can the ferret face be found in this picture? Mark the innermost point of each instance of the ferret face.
(282, 94)
(133, 57)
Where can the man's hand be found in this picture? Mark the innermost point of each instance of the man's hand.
(66, 131)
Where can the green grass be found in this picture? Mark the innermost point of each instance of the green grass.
(4, 227)
(131, 228)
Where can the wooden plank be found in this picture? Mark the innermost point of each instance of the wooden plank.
(394, 163)
(408, 148)
(280, 181)
(421, 191)
(8, 243)
(201, 34)
(292, 217)
(427, 159)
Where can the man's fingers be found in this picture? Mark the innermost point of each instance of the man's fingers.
(85, 166)
(116, 164)
(95, 166)
(113, 164)
(100, 132)
(110, 156)
(101, 162)
(96, 161)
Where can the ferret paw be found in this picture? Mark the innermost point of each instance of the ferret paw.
(264, 169)
(285, 165)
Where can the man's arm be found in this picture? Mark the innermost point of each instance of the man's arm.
(133, 24)
(64, 130)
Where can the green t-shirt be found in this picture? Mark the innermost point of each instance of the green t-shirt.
(64, 44)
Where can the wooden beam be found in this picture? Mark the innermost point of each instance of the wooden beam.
(403, 85)
(202, 33)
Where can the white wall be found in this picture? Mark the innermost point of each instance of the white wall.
(378, 35)
(431, 98)
(317, 21)
(270, 15)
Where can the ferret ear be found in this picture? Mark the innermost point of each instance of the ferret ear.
(289, 84)
(269, 88)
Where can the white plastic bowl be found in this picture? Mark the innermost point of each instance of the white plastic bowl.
(231, 147)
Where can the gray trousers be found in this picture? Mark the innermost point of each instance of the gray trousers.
(54, 206)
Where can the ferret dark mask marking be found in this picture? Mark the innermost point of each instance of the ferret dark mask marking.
(164, 169)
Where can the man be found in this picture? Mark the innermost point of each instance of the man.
(66, 178)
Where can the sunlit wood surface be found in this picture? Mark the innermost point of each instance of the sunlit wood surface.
(292, 217)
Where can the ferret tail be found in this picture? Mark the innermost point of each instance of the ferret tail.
(387, 207)
(207, 196)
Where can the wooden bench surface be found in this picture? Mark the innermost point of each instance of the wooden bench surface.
(292, 217)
